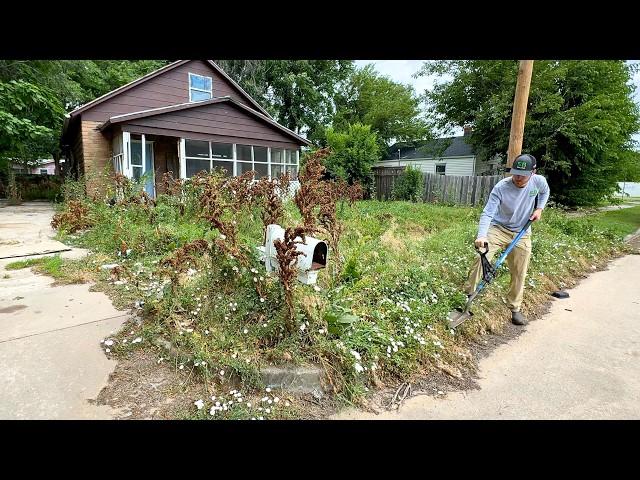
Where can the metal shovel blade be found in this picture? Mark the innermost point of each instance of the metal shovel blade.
(458, 316)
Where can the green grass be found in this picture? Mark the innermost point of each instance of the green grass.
(65, 272)
(621, 222)
(20, 264)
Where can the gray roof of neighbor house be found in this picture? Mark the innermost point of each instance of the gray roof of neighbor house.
(439, 148)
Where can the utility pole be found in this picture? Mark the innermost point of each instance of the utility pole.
(519, 111)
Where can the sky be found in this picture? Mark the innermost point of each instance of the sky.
(402, 71)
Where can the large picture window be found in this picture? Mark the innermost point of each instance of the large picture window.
(200, 88)
(206, 156)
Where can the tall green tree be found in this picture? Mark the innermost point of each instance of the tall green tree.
(34, 95)
(354, 150)
(30, 120)
(299, 94)
(392, 109)
(580, 118)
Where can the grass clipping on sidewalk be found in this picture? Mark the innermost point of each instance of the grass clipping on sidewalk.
(377, 314)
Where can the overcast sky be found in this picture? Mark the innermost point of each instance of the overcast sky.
(402, 71)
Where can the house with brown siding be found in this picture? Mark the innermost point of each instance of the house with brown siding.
(183, 118)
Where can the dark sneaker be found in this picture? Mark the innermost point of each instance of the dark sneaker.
(518, 319)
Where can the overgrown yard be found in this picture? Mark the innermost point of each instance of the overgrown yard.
(376, 316)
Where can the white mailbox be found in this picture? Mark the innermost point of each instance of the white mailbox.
(314, 255)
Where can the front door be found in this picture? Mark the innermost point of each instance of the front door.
(143, 170)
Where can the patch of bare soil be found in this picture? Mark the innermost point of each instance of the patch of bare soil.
(141, 388)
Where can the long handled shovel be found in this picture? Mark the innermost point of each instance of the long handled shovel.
(489, 272)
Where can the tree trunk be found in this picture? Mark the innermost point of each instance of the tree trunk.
(56, 159)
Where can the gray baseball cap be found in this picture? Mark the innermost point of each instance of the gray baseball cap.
(523, 164)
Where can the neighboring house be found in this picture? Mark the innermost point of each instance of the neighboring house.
(45, 166)
(183, 118)
(444, 156)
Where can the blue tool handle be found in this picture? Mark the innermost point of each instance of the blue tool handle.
(512, 245)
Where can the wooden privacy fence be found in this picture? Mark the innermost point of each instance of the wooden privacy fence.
(466, 190)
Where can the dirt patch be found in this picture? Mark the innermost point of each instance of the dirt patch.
(143, 389)
(390, 239)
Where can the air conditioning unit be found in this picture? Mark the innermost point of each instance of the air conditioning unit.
(314, 256)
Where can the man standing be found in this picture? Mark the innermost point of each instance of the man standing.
(507, 211)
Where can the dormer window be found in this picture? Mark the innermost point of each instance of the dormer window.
(199, 88)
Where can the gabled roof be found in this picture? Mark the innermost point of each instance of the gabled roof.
(438, 148)
(190, 105)
(160, 71)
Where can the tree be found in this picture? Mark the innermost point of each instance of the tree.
(629, 167)
(299, 94)
(580, 118)
(34, 95)
(353, 153)
(391, 108)
(30, 119)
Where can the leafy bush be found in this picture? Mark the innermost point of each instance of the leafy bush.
(409, 185)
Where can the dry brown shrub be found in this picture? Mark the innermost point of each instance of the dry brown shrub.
(75, 218)
(287, 255)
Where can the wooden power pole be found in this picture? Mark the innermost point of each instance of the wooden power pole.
(519, 111)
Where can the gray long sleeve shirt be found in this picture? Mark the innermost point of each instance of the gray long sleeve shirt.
(510, 206)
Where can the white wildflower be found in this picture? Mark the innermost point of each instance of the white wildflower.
(108, 343)
(355, 354)
(199, 404)
(221, 372)
(136, 340)
(358, 367)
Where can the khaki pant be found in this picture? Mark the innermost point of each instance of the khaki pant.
(517, 261)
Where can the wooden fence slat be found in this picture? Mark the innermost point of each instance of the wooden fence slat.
(459, 189)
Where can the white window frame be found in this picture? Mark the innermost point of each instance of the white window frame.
(435, 168)
(210, 91)
(234, 159)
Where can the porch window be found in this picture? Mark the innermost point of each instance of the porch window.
(206, 156)
(118, 154)
(199, 88)
(277, 162)
(244, 159)
(291, 163)
(238, 159)
(260, 162)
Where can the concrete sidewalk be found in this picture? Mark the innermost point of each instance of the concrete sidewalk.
(51, 362)
(580, 361)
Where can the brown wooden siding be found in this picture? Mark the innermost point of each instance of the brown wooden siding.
(222, 120)
(169, 88)
(208, 136)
